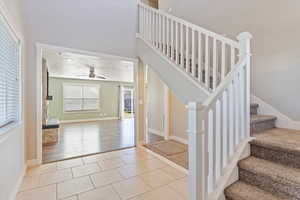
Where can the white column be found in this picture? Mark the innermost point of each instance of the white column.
(197, 153)
(166, 112)
(245, 51)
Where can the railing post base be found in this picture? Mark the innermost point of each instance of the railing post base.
(197, 155)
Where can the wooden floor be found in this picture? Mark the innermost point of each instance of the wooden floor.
(79, 139)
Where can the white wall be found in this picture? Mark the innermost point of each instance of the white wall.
(178, 118)
(156, 102)
(178, 115)
(276, 43)
(12, 151)
(100, 26)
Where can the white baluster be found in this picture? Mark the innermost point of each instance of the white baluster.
(236, 105)
(172, 40)
(223, 62)
(214, 141)
(200, 57)
(146, 24)
(142, 21)
(157, 31)
(218, 136)
(164, 34)
(211, 163)
(187, 66)
(152, 26)
(177, 43)
(160, 32)
(193, 54)
(232, 115)
(168, 37)
(215, 71)
(232, 58)
(225, 127)
(207, 78)
(181, 47)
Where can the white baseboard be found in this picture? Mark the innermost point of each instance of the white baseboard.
(282, 121)
(18, 183)
(88, 120)
(178, 139)
(33, 162)
(156, 132)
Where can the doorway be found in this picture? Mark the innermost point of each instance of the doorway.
(127, 103)
(79, 102)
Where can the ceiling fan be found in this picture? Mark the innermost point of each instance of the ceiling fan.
(92, 73)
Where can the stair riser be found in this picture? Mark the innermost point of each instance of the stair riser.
(282, 157)
(253, 110)
(262, 126)
(281, 189)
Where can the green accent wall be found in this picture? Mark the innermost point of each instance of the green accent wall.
(109, 99)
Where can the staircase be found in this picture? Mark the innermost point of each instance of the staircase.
(210, 73)
(272, 172)
(260, 123)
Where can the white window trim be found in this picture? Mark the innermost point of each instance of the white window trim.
(81, 111)
(9, 126)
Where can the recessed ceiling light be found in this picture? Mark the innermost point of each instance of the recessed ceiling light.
(69, 60)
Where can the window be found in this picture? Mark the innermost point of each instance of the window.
(79, 97)
(9, 75)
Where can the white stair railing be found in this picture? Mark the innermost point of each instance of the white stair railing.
(205, 56)
(219, 126)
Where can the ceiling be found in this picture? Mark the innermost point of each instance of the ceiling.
(71, 65)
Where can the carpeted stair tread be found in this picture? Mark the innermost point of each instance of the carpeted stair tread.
(277, 172)
(279, 139)
(262, 118)
(253, 108)
(244, 191)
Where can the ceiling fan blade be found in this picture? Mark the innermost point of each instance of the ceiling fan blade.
(101, 77)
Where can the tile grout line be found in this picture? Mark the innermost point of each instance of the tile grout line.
(124, 164)
(114, 189)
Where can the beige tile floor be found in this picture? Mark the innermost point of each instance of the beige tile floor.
(132, 174)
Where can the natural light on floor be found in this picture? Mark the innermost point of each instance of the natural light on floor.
(132, 174)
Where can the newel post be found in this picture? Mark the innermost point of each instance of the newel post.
(197, 156)
(245, 52)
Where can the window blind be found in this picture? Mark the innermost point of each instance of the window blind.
(81, 97)
(9, 75)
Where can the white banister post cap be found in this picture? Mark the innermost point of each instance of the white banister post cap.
(244, 36)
